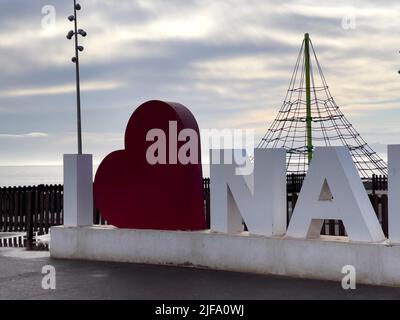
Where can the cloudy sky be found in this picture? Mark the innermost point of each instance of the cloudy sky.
(229, 61)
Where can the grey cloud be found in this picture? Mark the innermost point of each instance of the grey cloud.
(168, 67)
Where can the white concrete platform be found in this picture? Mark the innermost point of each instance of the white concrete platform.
(375, 263)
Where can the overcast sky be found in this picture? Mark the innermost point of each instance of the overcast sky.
(229, 61)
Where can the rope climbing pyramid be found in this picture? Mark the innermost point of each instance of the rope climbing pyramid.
(310, 117)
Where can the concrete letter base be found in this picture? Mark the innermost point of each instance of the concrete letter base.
(375, 263)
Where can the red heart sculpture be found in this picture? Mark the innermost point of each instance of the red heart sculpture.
(131, 193)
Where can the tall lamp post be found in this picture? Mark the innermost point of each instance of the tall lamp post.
(78, 168)
(75, 33)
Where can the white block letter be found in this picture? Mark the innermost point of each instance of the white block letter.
(259, 199)
(333, 189)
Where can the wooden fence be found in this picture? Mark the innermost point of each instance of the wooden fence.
(30, 209)
(34, 209)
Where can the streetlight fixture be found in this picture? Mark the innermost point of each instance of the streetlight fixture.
(75, 59)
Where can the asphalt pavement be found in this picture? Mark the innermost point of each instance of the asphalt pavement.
(21, 278)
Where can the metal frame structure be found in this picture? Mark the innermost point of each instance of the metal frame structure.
(310, 117)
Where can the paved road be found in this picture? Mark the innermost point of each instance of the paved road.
(20, 278)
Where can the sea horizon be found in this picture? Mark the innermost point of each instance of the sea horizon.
(32, 175)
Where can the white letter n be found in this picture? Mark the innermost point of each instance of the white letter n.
(259, 199)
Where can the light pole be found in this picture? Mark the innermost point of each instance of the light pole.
(75, 33)
(78, 168)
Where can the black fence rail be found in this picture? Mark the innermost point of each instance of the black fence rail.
(34, 209)
(294, 183)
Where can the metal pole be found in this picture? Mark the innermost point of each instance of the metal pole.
(308, 96)
(78, 88)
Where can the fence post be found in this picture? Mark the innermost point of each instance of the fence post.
(207, 199)
(46, 207)
(384, 214)
(6, 210)
(1, 209)
(29, 218)
(373, 182)
(14, 209)
(293, 187)
(41, 209)
(96, 213)
(332, 224)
